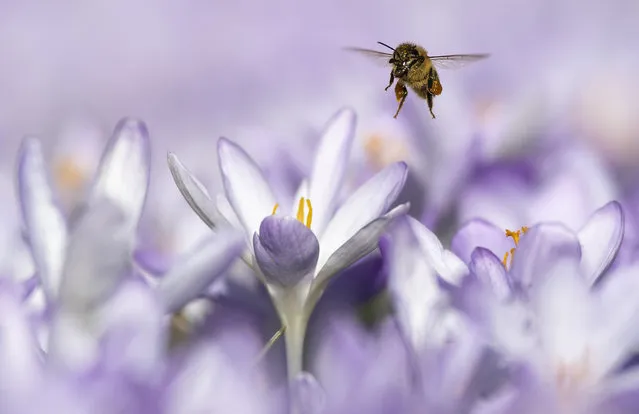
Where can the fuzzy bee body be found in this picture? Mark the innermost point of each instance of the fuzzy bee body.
(412, 66)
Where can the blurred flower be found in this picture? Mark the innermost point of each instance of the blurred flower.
(296, 255)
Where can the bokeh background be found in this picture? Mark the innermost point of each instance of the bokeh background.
(269, 75)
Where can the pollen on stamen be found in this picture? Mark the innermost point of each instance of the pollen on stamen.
(309, 216)
(515, 235)
(305, 219)
(275, 208)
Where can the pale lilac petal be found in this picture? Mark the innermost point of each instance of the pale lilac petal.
(491, 272)
(480, 233)
(358, 246)
(285, 250)
(539, 249)
(193, 191)
(619, 296)
(123, 174)
(307, 394)
(246, 188)
(45, 225)
(194, 273)
(445, 263)
(98, 256)
(369, 202)
(302, 191)
(413, 285)
(330, 164)
(227, 212)
(600, 240)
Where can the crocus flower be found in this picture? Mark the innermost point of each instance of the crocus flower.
(544, 313)
(295, 254)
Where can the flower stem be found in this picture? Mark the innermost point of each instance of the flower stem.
(294, 340)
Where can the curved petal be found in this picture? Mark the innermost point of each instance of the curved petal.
(329, 167)
(479, 233)
(285, 250)
(193, 191)
(369, 202)
(450, 267)
(123, 174)
(358, 246)
(98, 257)
(246, 188)
(539, 249)
(199, 268)
(491, 272)
(600, 239)
(45, 225)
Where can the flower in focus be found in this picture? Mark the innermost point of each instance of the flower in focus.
(296, 254)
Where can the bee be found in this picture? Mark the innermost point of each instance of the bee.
(412, 66)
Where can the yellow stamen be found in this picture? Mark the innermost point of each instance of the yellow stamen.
(275, 208)
(515, 235)
(305, 219)
(309, 216)
(300, 210)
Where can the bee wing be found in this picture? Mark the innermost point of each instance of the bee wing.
(380, 57)
(456, 61)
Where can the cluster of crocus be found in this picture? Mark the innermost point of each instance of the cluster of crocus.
(540, 318)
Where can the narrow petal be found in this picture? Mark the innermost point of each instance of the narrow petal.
(245, 186)
(358, 246)
(98, 256)
(369, 202)
(227, 212)
(194, 273)
(491, 272)
(193, 191)
(479, 233)
(285, 250)
(448, 266)
(302, 191)
(539, 249)
(45, 225)
(123, 174)
(329, 167)
(413, 286)
(600, 240)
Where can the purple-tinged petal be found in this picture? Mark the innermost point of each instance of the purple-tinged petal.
(491, 272)
(307, 395)
(45, 225)
(369, 202)
(227, 212)
(539, 249)
(479, 233)
(123, 174)
(330, 164)
(193, 191)
(414, 287)
(98, 256)
(358, 246)
(600, 239)
(285, 250)
(445, 263)
(246, 188)
(192, 274)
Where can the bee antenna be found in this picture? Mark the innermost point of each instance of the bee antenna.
(384, 44)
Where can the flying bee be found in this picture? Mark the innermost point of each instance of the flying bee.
(412, 66)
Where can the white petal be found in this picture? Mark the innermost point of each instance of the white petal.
(44, 222)
(329, 167)
(358, 246)
(193, 191)
(450, 267)
(302, 191)
(123, 175)
(192, 275)
(600, 240)
(370, 201)
(226, 210)
(245, 186)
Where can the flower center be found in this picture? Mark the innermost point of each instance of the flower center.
(515, 235)
(304, 211)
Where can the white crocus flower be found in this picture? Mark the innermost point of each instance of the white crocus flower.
(295, 255)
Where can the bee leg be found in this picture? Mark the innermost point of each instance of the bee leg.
(392, 79)
(429, 99)
(400, 94)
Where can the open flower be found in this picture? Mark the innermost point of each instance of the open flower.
(296, 254)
